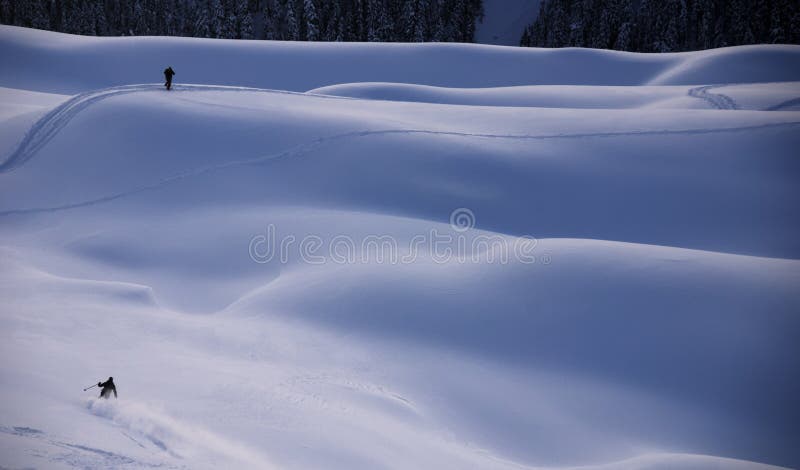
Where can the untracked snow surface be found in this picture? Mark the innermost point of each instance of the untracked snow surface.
(312, 256)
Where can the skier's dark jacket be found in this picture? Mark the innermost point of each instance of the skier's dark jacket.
(168, 73)
(108, 387)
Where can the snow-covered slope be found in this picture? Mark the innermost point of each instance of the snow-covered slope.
(321, 256)
(60, 63)
(776, 97)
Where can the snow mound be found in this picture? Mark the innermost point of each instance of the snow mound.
(778, 97)
(543, 96)
(428, 261)
(743, 64)
(83, 63)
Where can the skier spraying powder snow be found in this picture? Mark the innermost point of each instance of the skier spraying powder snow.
(108, 387)
(168, 73)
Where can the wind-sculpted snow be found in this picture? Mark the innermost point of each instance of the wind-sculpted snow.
(545, 96)
(44, 130)
(31, 56)
(179, 440)
(397, 256)
(306, 151)
(743, 64)
(49, 125)
(792, 103)
(589, 97)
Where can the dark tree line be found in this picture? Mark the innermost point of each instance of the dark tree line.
(304, 20)
(663, 25)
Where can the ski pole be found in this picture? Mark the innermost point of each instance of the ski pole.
(87, 388)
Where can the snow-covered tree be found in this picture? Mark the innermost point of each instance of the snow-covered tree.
(216, 20)
(139, 19)
(311, 20)
(378, 26)
(292, 28)
(245, 20)
(663, 25)
(202, 22)
(99, 16)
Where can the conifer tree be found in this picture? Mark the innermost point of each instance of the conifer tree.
(310, 21)
(292, 28)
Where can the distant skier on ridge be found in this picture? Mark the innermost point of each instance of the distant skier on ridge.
(108, 387)
(168, 73)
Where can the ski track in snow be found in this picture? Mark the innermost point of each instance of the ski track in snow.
(79, 455)
(785, 104)
(172, 436)
(50, 124)
(140, 424)
(90, 458)
(717, 100)
(308, 147)
(281, 376)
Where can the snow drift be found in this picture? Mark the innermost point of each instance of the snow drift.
(82, 63)
(251, 255)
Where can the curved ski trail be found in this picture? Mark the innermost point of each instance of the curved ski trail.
(51, 123)
(786, 104)
(311, 145)
(717, 100)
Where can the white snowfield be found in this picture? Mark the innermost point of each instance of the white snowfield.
(614, 283)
